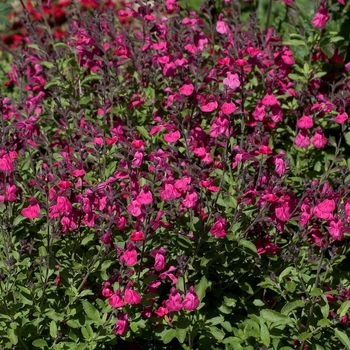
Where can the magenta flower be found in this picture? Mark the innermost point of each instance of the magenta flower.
(319, 140)
(305, 122)
(336, 229)
(6, 163)
(232, 81)
(325, 209)
(33, 210)
(172, 137)
(209, 106)
(228, 108)
(186, 89)
(302, 139)
(219, 228)
(322, 16)
(174, 303)
(222, 27)
(132, 297)
(134, 208)
(191, 301)
(341, 118)
(145, 197)
(116, 300)
(122, 323)
(129, 256)
(137, 236)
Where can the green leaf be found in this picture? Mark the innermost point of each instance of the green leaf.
(215, 320)
(90, 78)
(342, 336)
(181, 334)
(11, 333)
(92, 312)
(264, 334)
(201, 287)
(85, 333)
(303, 336)
(54, 82)
(291, 305)
(285, 272)
(217, 333)
(274, 316)
(84, 100)
(316, 292)
(47, 64)
(248, 244)
(53, 329)
(294, 43)
(18, 219)
(168, 335)
(34, 46)
(73, 324)
(347, 138)
(39, 343)
(343, 308)
(88, 239)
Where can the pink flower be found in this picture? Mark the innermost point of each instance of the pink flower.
(121, 324)
(11, 193)
(172, 137)
(321, 18)
(107, 238)
(162, 311)
(219, 228)
(145, 197)
(305, 215)
(341, 118)
(232, 81)
(190, 200)
(222, 27)
(116, 300)
(132, 297)
(259, 112)
(228, 108)
(129, 256)
(6, 163)
(336, 229)
(138, 159)
(282, 212)
(209, 106)
(325, 209)
(305, 122)
(317, 237)
(63, 205)
(169, 193)
(269, 100)
(302, 139)
(319, 140)
(280, 167)
(220, 126)
(106, 290)
(159, 263)
(134, 208)
(191, 301)
(33, 210)
(174, 303)
(186, 89)
(265, 245)
(58, 280)
(137, 236)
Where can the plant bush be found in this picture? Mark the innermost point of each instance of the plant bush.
(176, 181)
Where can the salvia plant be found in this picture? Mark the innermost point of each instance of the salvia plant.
(176, 179)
